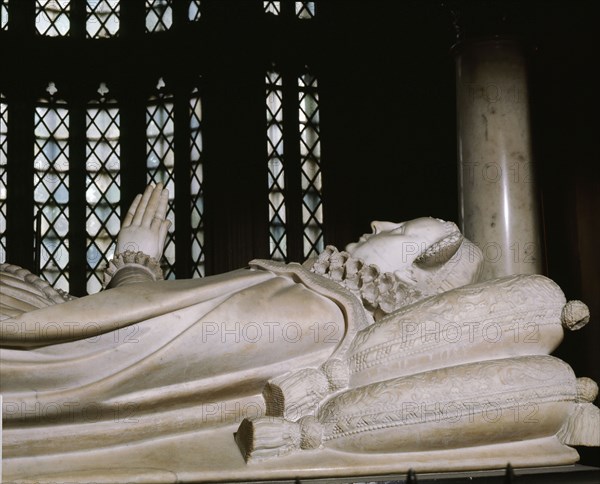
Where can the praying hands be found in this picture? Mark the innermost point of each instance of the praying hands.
(145, 226)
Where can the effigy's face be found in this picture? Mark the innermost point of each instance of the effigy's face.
(393, 247)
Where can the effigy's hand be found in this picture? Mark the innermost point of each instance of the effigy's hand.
(145, 226)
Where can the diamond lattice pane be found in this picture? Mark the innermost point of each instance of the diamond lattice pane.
(3, 14)
(102, 18)
(305, 10)
(194, 12)
(160, 163)
(52, 17)
(310, 164)
(159, 15)
(272, 7)
(275, 168)
(103, 188)
(3, 175)
(51, 190)
(196, 185)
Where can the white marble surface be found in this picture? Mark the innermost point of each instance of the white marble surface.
(498, 195)
(211, 456)
(149, 380)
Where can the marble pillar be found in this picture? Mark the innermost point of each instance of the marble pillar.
(499, 208)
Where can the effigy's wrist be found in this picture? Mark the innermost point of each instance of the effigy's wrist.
(131, 267)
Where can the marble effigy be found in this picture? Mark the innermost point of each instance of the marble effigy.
(386, 356)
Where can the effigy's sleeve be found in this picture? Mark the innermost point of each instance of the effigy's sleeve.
(298, 392)
(115, 308)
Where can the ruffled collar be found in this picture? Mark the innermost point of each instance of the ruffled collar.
(380, 292)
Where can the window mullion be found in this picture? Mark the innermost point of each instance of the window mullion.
(77, 201)
(132, 18)
(78, 18)
(133, 144)
(180, 14)
(183, 267)
(19, 233)
(291, 140)
(22, 18)
(288, 9)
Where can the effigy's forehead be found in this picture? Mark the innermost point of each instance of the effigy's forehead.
(416, 226)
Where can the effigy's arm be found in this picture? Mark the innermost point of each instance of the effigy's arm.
(82, 318)
(140, 244)
(115, 308)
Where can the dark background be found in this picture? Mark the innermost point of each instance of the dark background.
(388, 118)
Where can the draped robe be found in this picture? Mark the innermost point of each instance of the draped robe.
(155, 359)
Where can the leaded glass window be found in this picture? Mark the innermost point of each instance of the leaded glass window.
(272, 7)
(103, 186)
(51, 188)
(160, 159)
(52, 17)
(196, 185)
(194, 12)
(76, 208)
(3, 174)
(102, 18)
(310, 162)
(294, 166)
(276, 175)
(159, 15)
(3, 14)
(305, 10)
(73, 243)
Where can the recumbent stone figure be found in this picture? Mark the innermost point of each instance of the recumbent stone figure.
(390, 347)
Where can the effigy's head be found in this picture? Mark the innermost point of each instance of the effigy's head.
(426, 253)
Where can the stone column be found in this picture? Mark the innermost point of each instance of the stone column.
(499, 209)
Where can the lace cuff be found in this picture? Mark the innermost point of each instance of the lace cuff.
(131, 268)
(298, 393)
